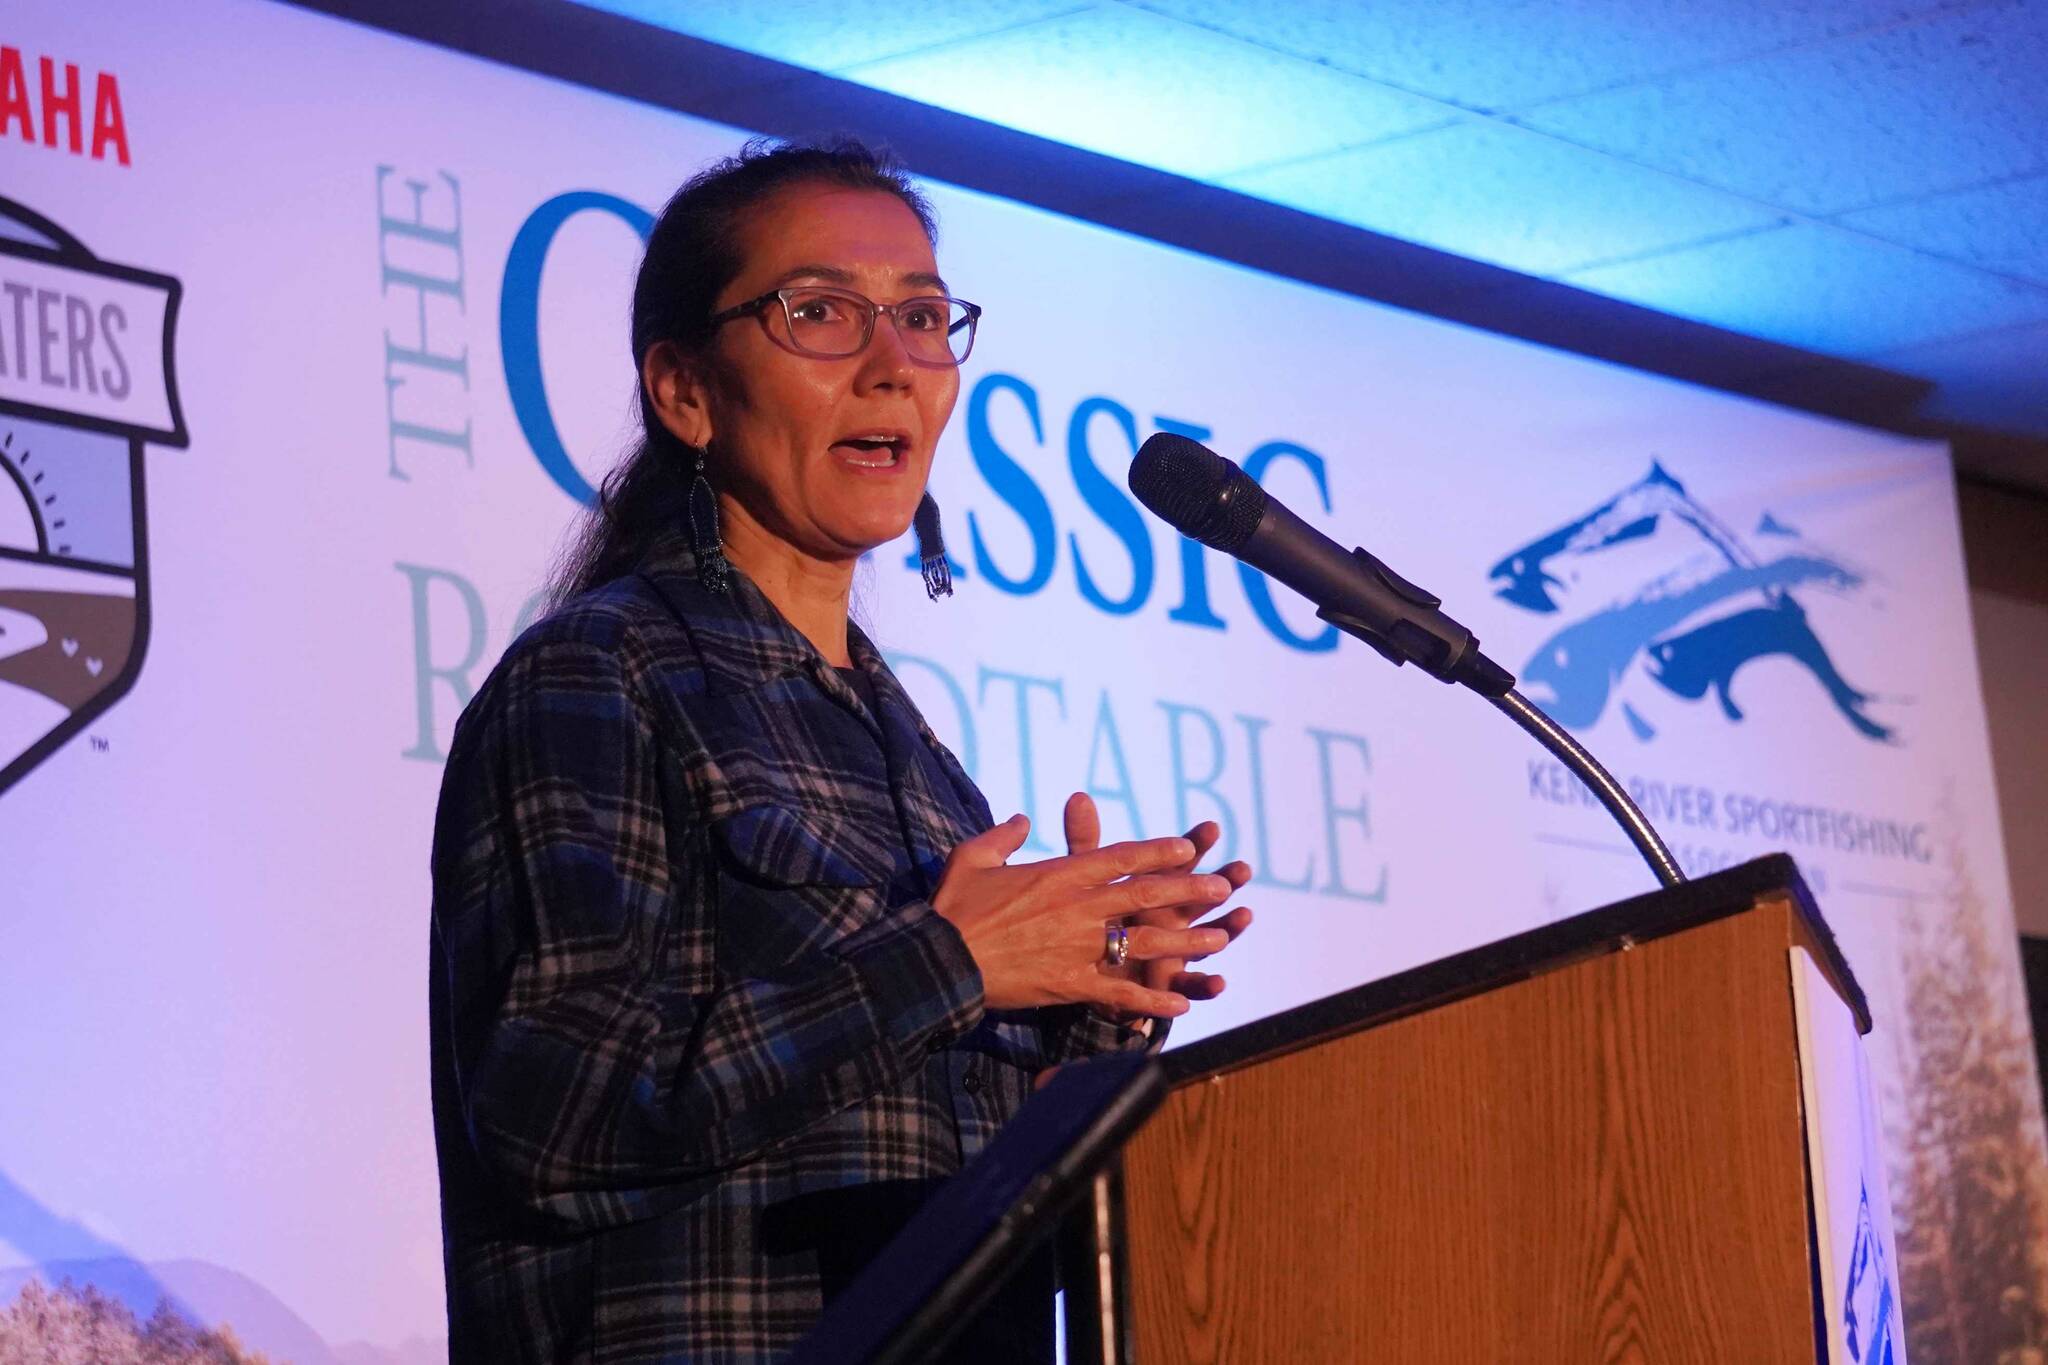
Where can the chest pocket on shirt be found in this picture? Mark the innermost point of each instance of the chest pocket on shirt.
(779, 846)
(792, 881)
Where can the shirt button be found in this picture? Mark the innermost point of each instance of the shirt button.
(971, 1082)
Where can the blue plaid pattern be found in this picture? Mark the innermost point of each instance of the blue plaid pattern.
(700, 1042)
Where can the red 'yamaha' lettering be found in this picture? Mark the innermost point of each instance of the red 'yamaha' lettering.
(55, 105)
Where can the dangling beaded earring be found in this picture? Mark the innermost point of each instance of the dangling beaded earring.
(931, 550)
(713, 570)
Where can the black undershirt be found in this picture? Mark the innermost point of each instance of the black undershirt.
(863, 687)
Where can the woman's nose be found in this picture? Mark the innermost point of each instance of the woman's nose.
(886, 359)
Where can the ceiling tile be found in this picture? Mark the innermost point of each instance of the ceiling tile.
(1506, 196)
(1819, 287)
(1999, 227)
(1145, 89)
(825, 34)
(1666, 138)
(1905, 111)
(1496, 55)
(1997, 378)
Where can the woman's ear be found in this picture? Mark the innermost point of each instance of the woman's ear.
(676, 389)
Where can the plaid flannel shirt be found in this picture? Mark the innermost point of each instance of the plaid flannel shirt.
(700, 1041)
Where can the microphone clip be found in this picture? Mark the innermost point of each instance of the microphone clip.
(1413, 630)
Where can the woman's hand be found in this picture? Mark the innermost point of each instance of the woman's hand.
(1037, 931)
(1164, 971)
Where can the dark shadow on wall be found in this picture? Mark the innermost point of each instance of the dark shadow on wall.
(2034, 962)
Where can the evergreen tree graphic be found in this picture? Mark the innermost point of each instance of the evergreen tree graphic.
(78, 1325)
(1972, 1205)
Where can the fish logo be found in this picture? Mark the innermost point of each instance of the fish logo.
(86, 381)
(1690, 629)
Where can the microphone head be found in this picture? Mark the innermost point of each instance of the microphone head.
(1197, 492)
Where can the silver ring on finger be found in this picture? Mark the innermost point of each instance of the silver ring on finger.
(1117, 950)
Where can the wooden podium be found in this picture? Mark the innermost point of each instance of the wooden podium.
(1583, 1144)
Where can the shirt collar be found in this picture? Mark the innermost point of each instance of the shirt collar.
(742, 640)
(745, 641)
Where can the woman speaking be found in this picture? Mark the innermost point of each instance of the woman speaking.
(729, 964)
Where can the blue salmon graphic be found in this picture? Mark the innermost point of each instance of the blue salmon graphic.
(1629, 515)
(1709, 656)
(1581, 665)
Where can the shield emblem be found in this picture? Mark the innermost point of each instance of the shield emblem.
(86, 381)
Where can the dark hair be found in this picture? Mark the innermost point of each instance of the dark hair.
(693, 253)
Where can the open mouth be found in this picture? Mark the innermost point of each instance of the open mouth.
(873, 450)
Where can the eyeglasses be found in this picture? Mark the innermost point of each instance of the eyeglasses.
(832, 324)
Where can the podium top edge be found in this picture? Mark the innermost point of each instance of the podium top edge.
(1639, 919)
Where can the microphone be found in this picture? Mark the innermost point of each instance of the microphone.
(1207, 498)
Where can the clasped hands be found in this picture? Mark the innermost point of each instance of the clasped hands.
(1038, 930)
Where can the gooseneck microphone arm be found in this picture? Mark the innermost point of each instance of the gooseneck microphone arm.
(1587, 769)
(1208, 499)
(1497, 685)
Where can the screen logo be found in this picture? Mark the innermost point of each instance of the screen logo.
(1697, 604)
(1869, 1315)
(86, 381)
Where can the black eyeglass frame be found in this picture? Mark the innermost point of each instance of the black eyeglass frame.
(870, 311)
